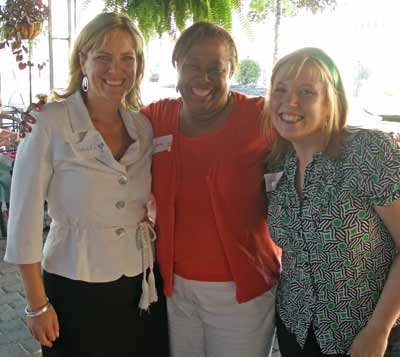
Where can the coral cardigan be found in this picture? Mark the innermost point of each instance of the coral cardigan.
(235, 187)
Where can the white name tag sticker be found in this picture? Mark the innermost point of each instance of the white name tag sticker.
(162, 143)
(271, 180)
(89, 148)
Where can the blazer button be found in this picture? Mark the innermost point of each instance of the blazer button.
(120, 204)
(120, 232)
(122, 180)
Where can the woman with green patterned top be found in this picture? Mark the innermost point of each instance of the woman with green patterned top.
(334, 208)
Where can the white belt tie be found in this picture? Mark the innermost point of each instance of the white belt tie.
(145, 238)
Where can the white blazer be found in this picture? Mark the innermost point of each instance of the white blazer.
(95, 202)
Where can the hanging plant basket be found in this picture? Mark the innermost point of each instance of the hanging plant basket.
(20, 22)
(160, 16)
(27, 31)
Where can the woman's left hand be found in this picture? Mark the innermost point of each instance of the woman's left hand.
(370, 342)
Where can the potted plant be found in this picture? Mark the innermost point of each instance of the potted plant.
(21, 20)
(166, 16)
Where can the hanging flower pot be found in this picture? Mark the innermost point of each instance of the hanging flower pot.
(21, 20)
(27, 31)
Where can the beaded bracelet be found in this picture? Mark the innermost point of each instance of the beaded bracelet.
(39, 311)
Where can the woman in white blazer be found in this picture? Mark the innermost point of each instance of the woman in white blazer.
(90, 158)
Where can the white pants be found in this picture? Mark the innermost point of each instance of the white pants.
(205, 320)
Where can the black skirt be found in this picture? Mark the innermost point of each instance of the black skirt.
(103, 319)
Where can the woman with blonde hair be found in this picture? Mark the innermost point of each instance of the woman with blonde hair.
(90, 158)
(333, 207)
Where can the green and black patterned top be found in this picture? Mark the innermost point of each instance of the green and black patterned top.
(336, 250)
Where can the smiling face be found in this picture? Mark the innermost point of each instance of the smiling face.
(110, 67)
(204, 73)
(299, 109)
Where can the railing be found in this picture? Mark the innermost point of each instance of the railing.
(10, 118)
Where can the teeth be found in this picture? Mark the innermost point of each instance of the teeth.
(291, 118)
(114, 83)
(201, 92)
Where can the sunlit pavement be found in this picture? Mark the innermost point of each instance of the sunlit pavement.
(15, 339)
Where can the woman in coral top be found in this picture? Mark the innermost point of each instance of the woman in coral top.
(216, 257)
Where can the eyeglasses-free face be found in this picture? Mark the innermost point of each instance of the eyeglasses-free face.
(203, 77)
(111, 67)
(299, 109)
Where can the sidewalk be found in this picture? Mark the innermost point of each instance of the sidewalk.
(15, 339)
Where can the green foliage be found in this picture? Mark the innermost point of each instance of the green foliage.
(155, 17)
(249, 71)
(261, 9)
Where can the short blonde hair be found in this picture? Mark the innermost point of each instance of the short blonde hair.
(198, 32)
(91, 36)
(322, 68)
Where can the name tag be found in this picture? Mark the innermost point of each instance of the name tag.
(162, 143)
(271, 180)
(89, 148)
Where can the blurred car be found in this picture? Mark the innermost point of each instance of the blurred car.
(154, 77)
(360, 116)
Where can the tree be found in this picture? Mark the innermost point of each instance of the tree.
(362, 73)
(262, 9)
(155, 17)
(249, 71)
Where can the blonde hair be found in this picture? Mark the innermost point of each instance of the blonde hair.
(91, 36)
(322, 68)
(200, 31)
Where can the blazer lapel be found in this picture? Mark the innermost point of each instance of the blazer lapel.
(85, 140)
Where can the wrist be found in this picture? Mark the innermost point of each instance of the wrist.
(37, 303)
(39, 311)
(379, 327)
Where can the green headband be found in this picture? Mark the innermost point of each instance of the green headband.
(329, 63)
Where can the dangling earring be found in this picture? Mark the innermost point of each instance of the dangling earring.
(85, 83)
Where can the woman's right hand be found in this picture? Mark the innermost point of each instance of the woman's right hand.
(27, 119)
(45, 327)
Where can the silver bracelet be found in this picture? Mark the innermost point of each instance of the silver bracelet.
(39, 311)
